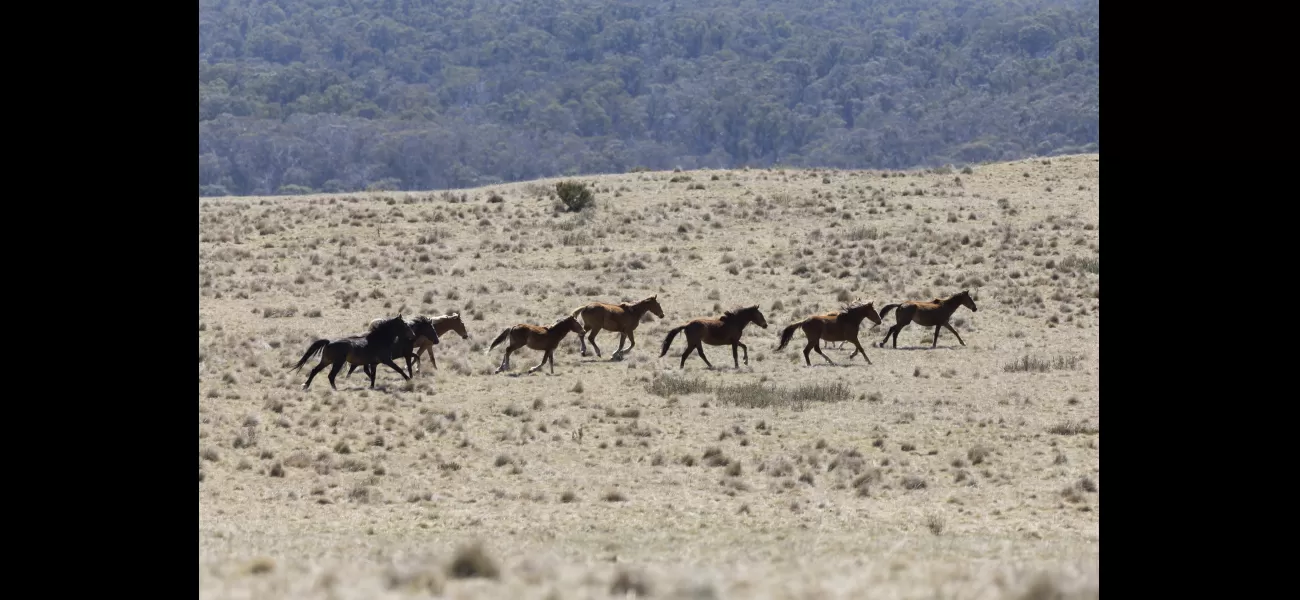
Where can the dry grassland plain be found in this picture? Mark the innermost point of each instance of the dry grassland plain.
(954, 472)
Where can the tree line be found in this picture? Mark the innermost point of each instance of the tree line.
(298, 96)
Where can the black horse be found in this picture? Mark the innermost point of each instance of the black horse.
(374, 347)
(424, 329)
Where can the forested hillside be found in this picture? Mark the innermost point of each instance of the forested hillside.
(341, 95)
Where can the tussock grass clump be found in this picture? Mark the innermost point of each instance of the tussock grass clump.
(1028, 364)
(630, 581)
(1080, 264)
(473, 561)
(757, 395)
(1072, 428)
(672, 385)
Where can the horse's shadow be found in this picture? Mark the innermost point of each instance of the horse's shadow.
(914, 348)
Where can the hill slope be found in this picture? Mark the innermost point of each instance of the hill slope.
(961, 471)
(338, 95)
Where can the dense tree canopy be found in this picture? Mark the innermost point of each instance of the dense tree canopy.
(341, 95)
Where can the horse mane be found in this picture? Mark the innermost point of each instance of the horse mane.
(424, 319)
(441, 318)
(561, 320)
(735, 312)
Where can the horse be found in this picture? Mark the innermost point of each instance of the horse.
(442, 325)
(425, 343)
(374, 347)
(425, 334)
(721, 331)
(536, 337)
(620, 318)
(832, 327)
(935, 312)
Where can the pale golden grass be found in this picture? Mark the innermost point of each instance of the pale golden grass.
(963, 471)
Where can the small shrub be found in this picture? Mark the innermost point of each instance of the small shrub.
(575, 196)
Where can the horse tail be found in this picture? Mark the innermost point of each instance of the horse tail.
(577, 312)
(668, 341)
(315, 347)
(788, 333)
(500, 338)
(888, 307)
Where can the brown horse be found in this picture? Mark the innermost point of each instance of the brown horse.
(442, 325)
(832, 327)
(536, 337)
(933, 313)
(374, 347)
(620, 318)
(722, 331)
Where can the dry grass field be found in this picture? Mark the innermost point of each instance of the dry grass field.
(954, 472)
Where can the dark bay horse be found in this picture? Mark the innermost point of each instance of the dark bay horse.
(620, 318)
(840, 326)
(722, 331)
(536, 337)
(374, 347)
(933, 313)
(425, 334)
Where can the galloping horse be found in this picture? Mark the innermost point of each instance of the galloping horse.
(832, 327)
(933, 313)
(374, 347)
(442, 325)
(424, 343)
(536, 337)
(620, 318)
(722, 331)
(425, 333)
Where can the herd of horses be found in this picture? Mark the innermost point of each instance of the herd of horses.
(407, 338)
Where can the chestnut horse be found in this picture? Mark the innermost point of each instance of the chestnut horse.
(620, 318)
(722, 331)
(933, 313)
(832, 327)
(536, 337)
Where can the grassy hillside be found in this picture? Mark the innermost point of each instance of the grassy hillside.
(959, 471)
(338, 95)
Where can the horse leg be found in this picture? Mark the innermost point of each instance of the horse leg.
(887, 334)
(859, 349)
(745, 350)
(806, 349)
(545, 355)
(390, 363)
(817, 349)
(505, 360)
(582, 339)
(631, 343)
(313, 373)
(592, 338)
(735, 353)
(699, 349)
(936, 336)
(622, 339)
(684, 355)
(352, 368)
(334, 372)
(954, 332)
